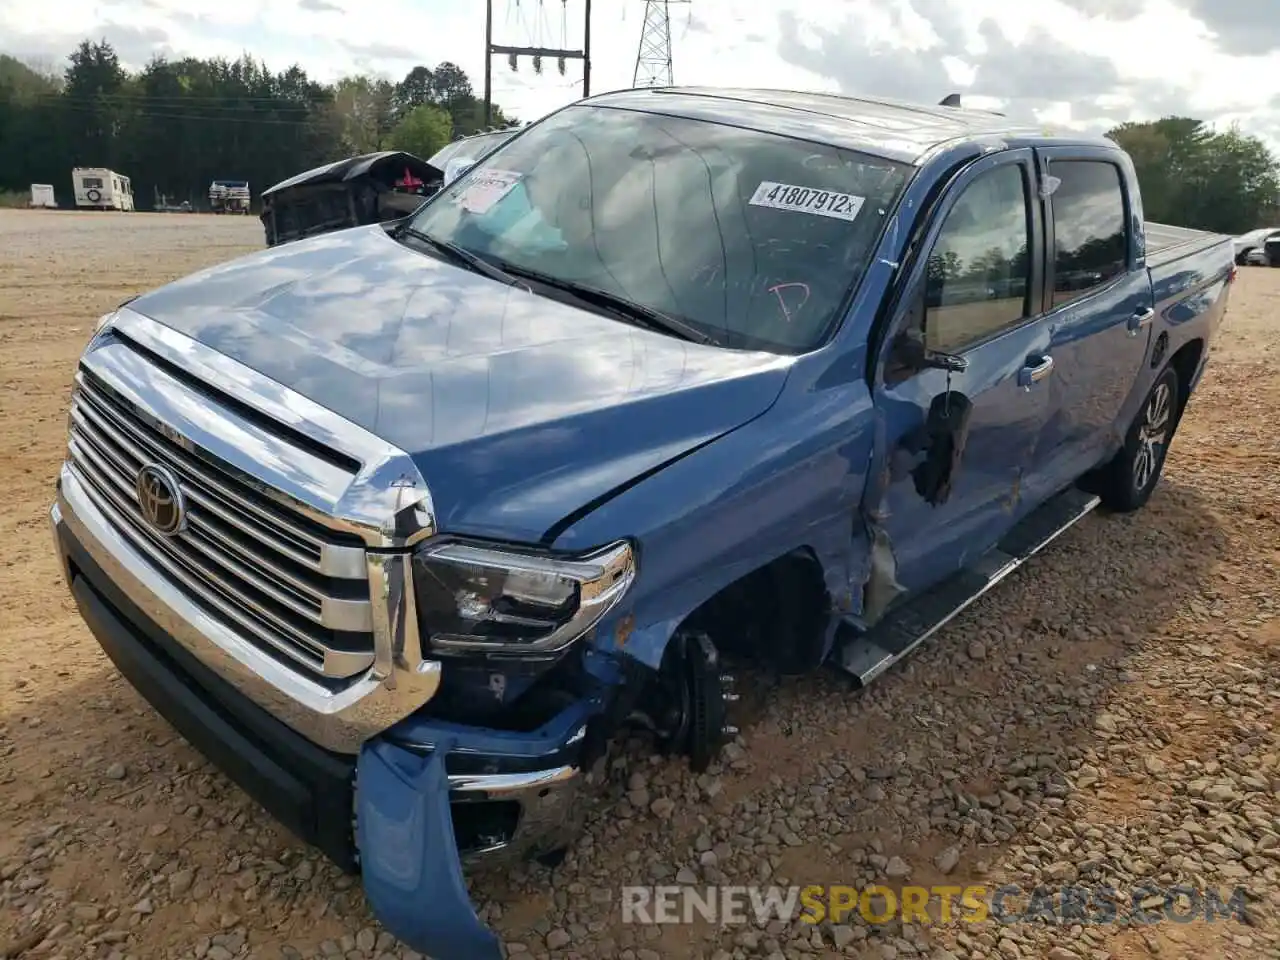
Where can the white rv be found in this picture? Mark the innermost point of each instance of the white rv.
(42, 197)
(102, 189)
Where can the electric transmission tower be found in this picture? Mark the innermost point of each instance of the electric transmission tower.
(653, 60)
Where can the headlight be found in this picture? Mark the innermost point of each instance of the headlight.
(473, 598)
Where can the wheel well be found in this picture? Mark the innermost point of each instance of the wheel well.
(775, 615)
(1185, 362)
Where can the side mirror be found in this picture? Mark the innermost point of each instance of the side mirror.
(456, 168)
(910, 355)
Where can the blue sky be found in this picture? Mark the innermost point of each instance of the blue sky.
(1079, 63)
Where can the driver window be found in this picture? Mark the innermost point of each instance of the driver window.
(978, 274)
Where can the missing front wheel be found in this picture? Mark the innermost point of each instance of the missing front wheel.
(688, 708)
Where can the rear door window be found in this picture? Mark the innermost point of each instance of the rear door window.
(1090, 233)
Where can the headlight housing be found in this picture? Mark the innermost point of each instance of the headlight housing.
(473, 598)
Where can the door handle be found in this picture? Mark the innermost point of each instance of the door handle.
(1140, 320)
(1035, 371)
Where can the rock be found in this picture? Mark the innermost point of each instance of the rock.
(946, 860)
(897, 868)
(662, 807)
(1220, 793)
(180, 882)
(1106, 723)
(842, 935)
(115, 771)
(558, 939)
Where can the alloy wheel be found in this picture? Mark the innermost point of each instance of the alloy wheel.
(1152, 433)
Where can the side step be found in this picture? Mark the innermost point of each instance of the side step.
(869, 653)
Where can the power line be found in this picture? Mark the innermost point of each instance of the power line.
(537, 53)
(145, 114)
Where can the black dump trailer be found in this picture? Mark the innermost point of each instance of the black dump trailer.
(370, 188)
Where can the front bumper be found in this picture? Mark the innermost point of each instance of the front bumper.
(405, 811)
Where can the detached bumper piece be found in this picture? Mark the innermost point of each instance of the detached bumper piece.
(422, 798)
(409, 856)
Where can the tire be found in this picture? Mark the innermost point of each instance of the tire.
(93, 195)
(1127, 482)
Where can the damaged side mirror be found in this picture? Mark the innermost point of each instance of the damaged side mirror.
(910, 355)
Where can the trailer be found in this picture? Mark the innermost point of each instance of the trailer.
(97, 188)
(42, 197)
(229, 196)
(369, 188)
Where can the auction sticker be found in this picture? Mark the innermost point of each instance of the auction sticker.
(824, 203)
(487, 187)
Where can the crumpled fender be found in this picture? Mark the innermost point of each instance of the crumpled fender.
(409, 855)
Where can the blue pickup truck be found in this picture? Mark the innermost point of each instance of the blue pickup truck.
(402, 524)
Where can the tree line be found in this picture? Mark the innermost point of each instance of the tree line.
(1193, 176)
(176, 125)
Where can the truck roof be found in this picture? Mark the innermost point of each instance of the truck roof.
(894, 129)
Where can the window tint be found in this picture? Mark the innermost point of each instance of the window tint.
(751, 237)
(979, 270)
(1090, 239)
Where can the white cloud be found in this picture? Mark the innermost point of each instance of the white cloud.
(1083, 62)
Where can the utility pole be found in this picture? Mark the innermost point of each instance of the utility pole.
(537, 53)
(488, 62)
(653, 58)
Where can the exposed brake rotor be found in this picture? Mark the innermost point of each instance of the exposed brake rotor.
(694, 696)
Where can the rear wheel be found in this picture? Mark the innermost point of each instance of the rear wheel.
(1127, 482)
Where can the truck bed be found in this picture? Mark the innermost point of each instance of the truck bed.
(1167, 243)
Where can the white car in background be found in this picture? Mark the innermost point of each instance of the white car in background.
(1249, 247)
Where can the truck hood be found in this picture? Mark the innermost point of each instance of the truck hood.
(517, 409)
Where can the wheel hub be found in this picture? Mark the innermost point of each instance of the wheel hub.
(690, 712)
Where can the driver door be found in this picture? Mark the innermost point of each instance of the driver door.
(959, 444)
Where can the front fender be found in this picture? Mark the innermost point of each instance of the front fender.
(790, 480)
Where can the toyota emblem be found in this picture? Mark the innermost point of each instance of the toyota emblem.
(160, 499)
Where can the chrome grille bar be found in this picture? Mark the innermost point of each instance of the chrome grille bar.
(283, 582)
(256, 520)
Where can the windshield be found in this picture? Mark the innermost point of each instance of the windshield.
(750, 237)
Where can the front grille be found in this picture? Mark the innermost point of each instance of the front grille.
(270, 574)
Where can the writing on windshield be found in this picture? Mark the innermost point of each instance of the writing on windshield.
(751, 237)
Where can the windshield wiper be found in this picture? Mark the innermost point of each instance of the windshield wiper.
(463, 256)
(618, 306)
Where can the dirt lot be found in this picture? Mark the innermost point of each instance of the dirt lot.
(1107, 717)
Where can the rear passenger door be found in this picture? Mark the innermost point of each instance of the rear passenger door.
(1098, 307)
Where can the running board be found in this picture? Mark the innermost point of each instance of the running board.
(869, 653)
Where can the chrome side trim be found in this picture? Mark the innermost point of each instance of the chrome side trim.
(386, 502)
(338, 719)
(498, 785)
(549, 810)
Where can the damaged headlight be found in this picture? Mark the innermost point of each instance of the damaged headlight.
(472, 598)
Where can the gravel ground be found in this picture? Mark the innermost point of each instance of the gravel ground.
(1107, 716)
